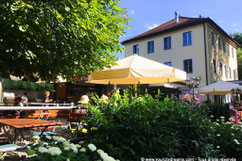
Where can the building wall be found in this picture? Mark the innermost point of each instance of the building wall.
(226, 58)
(178, 52)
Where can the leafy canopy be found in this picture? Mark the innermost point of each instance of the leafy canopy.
(43, 39)
(238, 38)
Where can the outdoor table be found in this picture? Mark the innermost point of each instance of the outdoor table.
(22, 124)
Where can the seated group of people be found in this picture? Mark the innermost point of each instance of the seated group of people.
(21, 101)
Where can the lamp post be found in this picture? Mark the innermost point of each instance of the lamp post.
(193, 83)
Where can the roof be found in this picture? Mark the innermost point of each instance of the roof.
(184, 22)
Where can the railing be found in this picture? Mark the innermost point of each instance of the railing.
(40, 106)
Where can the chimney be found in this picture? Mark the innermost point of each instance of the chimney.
(176, 17)
(200, 16)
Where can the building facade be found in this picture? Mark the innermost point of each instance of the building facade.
(196, 45)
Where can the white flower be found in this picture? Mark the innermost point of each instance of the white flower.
(218, 135)
(236, 141)
(77, 146)
(222, 117)
(211, 116)
(218, 147)
(229, 123)
(48, 137)
(108, 158)
(100, 151)
(103, 155)
(217, 120)
(59, 138)
(231, 119)
(42, 149)
(217, 124)
(82, 150)
(66, 148)
(54, 151)
(92, 147)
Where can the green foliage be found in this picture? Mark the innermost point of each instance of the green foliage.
(227, 139)
(59, 149)
(46, 39)
(131, 128)
(8, 83)
(238, 37)
(216, 110)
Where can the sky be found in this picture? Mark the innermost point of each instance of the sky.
(147, 14)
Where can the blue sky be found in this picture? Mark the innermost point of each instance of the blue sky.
(149, 13)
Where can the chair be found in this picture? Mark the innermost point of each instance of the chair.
(10, 147)
(37, 114)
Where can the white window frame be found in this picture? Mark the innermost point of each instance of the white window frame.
(234, 72)
(230, 73)
(225, 72)
(183, 38)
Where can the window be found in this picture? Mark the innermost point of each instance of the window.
(219, 43)
(167, 43)
(150, 46)
(224, 47)
(225, 71)
(234, 74)
(221, 68)
(228, 49)
(230, 74)
(136, 49)
(232, 52)
(187, 38)
(214, 66)
(168, 63)
(187, 65)
(213, 39)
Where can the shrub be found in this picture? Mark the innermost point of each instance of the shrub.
(59, 149)
(216, 110)
(131, 128)
(227, 139)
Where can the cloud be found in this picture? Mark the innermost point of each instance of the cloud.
(234, 24)
(132, 12)
(149, 27)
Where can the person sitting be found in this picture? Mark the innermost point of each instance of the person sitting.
(24, 98)
(48, 98)
(15, 113)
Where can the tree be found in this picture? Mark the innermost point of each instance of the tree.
(44, 39)
(238, 37)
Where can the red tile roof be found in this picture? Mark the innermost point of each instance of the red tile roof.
(169, 26)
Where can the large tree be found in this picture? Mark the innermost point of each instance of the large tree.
(238, 38)
(43, 39)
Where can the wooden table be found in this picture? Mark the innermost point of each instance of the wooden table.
(22, 124)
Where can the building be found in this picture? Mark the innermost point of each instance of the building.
(196, 45)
